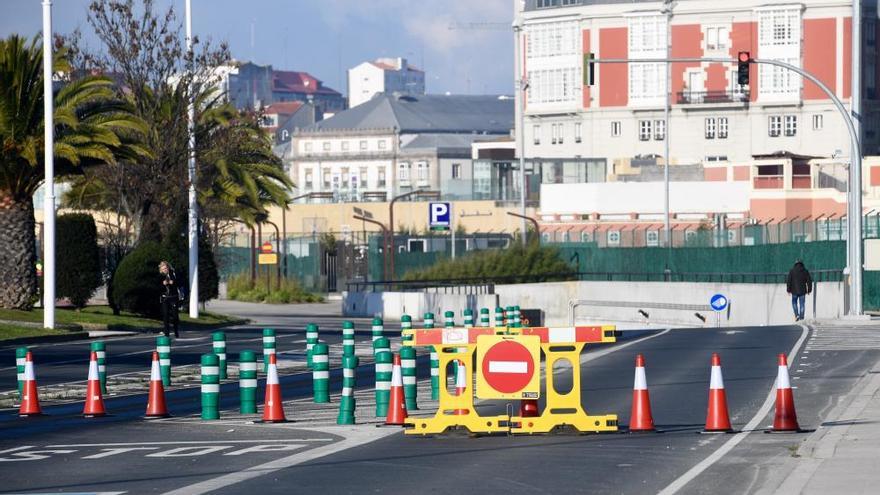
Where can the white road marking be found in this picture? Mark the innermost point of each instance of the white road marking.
(116, 451)
(204, 442)
(706, 463)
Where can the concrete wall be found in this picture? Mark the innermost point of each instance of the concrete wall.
(750, 304)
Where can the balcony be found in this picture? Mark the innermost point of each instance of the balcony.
(712, 97)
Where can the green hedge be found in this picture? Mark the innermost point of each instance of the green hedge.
(137, 284)
(78, 272)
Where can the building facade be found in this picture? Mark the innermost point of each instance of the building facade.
(383, 75)
(713, 119)
(253, 86)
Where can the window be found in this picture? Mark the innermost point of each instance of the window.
(647, 39)
(659, 130)
(326, 145)
(790, 125)
(652, 238)
(716, 158)
(585, 237)
(710, 127)
(363, 145)
(456, 171)
(345, 146)
(554, 50)
(818, 122)
(560, 132)
(363, 176)
(309, 179)
(615, 128)
(717, 38)
(423, 170)
(779, 38)
(326, 178)
(577, 132)
(536, 134)
(547, 3)
(381, 144)
(774, 126)
(308, 147)
(613, 237)
(403, 171)
(644, 130)
(381, 178)
(553, 133)
(722, 127)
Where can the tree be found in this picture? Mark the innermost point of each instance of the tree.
(92, 127)
(176, 245)
(137, 284)
(79, 263)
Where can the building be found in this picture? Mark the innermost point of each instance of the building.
(713, 119)
(396, 143)
(281, 119)
(383, 75)
(254, 86)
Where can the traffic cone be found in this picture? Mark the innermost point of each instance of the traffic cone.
(30, 401)
(156, 402)
(785, 418)
(528, 408)
(640, 419)
(94, 405)
(396, 404)
(273, 410)
(460, 387)
(717, 419)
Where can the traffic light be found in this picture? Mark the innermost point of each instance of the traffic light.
(589, 69)
(742, 74)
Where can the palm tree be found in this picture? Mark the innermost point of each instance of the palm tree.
(91, 127)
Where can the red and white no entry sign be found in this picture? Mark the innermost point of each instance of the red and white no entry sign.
(507, 367)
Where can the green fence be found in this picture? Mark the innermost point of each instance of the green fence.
(304, 269)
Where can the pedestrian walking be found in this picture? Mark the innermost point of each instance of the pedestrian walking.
(798, 284)
(170, 299)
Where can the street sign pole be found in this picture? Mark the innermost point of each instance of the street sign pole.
(452, 227)
(193, 220)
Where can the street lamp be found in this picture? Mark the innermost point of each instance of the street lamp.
(522, 85)
(193, 220)
(420, 192)
(49, 182)
(384, 242)
(668, 5)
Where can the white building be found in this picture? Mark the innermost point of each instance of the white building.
(383, 75)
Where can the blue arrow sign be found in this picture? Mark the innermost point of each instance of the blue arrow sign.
(719, 302)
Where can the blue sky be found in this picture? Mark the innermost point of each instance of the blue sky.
(326, 37)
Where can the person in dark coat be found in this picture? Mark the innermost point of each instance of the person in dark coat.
(170, 299)
(798, 284)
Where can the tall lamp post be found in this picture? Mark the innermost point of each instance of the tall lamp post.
(419, 192)
(193, 220)
(668, 5)
(49, 183)
(522, 85)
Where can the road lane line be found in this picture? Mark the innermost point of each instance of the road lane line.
(762, 413)
(192, 442)
(354, 438)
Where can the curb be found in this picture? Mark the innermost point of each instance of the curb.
(43, 339)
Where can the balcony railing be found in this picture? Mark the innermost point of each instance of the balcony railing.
(703, 97)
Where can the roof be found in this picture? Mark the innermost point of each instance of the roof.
(284, 107)
(384, 66)
(487, 114)
(431, 141)
(298, 82)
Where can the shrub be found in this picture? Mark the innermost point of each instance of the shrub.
(176, 244)
(78, 272)
(137, 285)
(241, 288)
(534, 263)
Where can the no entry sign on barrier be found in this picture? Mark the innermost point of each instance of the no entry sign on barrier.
(508, 367)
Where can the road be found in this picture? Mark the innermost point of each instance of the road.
(124, 453)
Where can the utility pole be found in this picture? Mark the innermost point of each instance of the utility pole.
(49, 182)
(668, 5)
(522, 85)
(854, 232)
(193, 220)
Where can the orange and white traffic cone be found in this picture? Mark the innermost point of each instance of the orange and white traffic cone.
(273, 409)
(717, 418)
(94, 405)
(396, 405)
(460, 387)
(30, 401)
(785, 418)
(156, 407)
(640, 419)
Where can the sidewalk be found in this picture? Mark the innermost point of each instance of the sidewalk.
(843, 455)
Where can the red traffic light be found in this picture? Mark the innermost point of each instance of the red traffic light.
(744, 57)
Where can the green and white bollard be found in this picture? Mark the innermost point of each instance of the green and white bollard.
(321, 372)
(268, 347)
(347, 402)
(378, 329)
(499, 317)
(20, 360)
(408, 372)
(100, 350)
(219, 339)
(163, 347)
(210, 387)
(311, 340)
(347, 338)
(449, 319)
(247, 381)
(517, 317)
(484, 317)
(428, 321)
(468, 316)
(405, 324)
(382, 349)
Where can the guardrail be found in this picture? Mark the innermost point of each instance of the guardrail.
(486, 285)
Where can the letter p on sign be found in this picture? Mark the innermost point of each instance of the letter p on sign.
(439, 216)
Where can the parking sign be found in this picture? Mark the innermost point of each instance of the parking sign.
(439, 216)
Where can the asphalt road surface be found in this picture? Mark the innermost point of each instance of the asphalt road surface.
(124, 453)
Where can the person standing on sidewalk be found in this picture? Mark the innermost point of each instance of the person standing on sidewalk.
(798, 284)
(170, 299)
